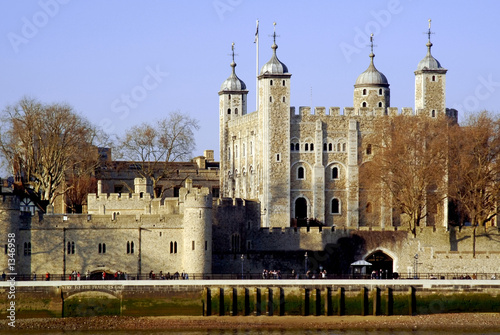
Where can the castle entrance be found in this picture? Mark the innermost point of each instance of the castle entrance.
(301, 211)
(381, 263)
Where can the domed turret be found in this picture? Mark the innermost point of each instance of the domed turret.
(372, 76)
(233, 83)
(274, 66)
(371, 89)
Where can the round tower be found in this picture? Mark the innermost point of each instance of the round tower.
(430, 84)
(372, 88)
(197, 229)
(9, 224)
(232, 104)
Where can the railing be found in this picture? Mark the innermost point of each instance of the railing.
(253, 276)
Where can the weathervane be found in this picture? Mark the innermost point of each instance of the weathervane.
(274, 34)
(371, 46)
(429, 31)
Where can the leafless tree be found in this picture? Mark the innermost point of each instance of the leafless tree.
(152, 146)
(40, 142)
(408, 164)
(474, 169)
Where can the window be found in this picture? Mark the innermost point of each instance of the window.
(338, 146)
(312, 146)
(300, 172)
(192, 245)
(284, 99)
(270, 99)
(70, 248)
(380, 104)
(215, 192)
(364, 92)
(292, 147)
(306, 147)
(284, 83)
(335, 172)
(278, 158)
(206, 245)
(343, 147)
(297, 147)
(330, 147)
(433, 78)
(27, 248)
(235, 243)
(128, 247)
(173, 247)
(102, 248)
(271, 82)
(335, 206)
(433, 113)
(324, 146)
(363, 104)
(229, 111)
(368, 208)
(369, 149)
(380, 92)
(236, 111)
(176, 191)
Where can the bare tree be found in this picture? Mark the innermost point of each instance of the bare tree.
(408, 165)
(41, 141)
(474, 169)
(153, 146)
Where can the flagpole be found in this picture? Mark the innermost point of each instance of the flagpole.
(257, 68)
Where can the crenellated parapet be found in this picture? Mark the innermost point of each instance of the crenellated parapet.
(358, 112)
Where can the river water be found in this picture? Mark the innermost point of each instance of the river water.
(254, 332)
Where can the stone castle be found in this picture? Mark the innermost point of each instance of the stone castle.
(285, 196)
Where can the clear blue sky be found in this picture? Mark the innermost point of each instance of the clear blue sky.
(91, 53)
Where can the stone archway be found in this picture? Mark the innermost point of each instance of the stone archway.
(381, 263)
(301, 211)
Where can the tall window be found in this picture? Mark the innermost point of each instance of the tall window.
(380, 104)
(335, 172)
(292, 147)
(363, 104)
(369, 149)
(335, 206)
(380, 92)
(102, 248)
(300, 173)
(297, 147)
(364, 92)
(312, 146)
(306, 147)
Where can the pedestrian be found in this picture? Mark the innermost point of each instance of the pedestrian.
(78, 276)
(34, 276)
(103, 275)
(47, 276)
(87, 275)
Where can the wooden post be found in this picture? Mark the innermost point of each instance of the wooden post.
(412, 301)
(390, 302)
(328, 301)
(318, 302)
(306, 302)
(258, 300)
(376, 301)
(208, 302)
(234, 309)
(341, 301)
(221, 302)
(247, 302)
(282, 301)
(270, 302)
(364, 301)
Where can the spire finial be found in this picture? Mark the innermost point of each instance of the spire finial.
(232, 50)
(233, 64)
(371, 47)
(429, 33)
(274, 34)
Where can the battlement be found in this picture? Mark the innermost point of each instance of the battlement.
(305, 111)
(9, 201)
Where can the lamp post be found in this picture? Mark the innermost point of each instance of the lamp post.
(305, 262)
(415, 267)
(242, 259)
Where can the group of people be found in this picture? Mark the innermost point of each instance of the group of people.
(167, 276)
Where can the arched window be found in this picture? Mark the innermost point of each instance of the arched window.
(292, 146)
(312, 146)
(270, 99)
(380, 104)
(363, 104)
(433, 113)
(229, 110)
(128, 247)
(338, 146)
(175, 247)
(100, 248)
(330, 147)
(68, 251)
(335, 172)
(171, 247)
(433, 78)
(104, 248)
(284, 83)
(297, 147)
(72, 247)
(271, 82)
(369, 149)
(306, 147)
(324, 146)
(380, 91)
(335, 206)
(343, 147)
(364, 92)
(283, 99)
(132, 247)
(300, 172)
(236, 111)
